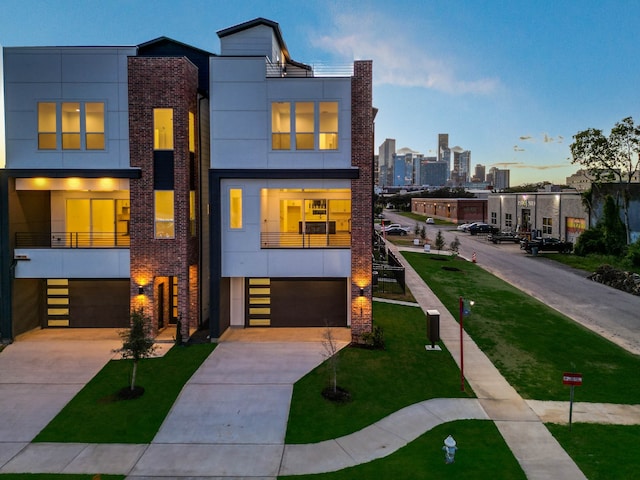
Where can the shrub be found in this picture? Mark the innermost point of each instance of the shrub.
(633, 253)
(591, 241)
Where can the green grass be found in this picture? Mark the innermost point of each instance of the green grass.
(481, 454)
(380, 381)
(95, 415)
(530, 343)
(602, 452)
(590, 263)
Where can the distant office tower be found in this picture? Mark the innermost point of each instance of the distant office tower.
(443, 144)
(500, 178)
(386, 152)
(434, 173)
(461, 165)
(480, 173)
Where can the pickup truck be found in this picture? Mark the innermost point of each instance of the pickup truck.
(504, 237)
(546, 245)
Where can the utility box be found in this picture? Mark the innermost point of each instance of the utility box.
(433, 326)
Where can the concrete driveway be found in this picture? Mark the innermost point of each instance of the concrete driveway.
(40, 372)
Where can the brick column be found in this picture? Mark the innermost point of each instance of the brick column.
(162, 82)
(362, 154)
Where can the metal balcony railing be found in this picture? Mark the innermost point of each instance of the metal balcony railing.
(72, 240)
(305, 240)
(317, 70)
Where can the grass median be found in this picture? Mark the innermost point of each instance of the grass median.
(95, 415)
(530, 343)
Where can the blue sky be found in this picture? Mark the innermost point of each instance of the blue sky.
(511, 81)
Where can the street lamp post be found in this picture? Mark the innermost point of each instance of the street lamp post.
(461, 322)
(461, 345)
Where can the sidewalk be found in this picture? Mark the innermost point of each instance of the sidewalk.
(537, 451)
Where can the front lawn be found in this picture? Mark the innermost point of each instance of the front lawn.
(482, 453)
(95, 415)
(530, 343)
(380, 381)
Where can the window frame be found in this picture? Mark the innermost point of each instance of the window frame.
(547, 225)
(70, 134)
(287, 140)
(171, 221)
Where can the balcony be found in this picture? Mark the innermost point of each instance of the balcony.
(316, 70)
(72, 240)
(305, 240)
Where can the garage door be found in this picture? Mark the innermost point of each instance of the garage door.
(103, 303)
(295, 302)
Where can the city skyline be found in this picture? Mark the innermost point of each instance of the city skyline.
(511, 82)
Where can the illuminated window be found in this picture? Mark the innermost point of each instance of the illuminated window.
(192, 132)
(192, 212)
(164, 214)
(235, 208)
(328, 125)
(304, 126)
(70, 126)
(47, 136)
(81, 125)
(547, 225)
(281, 126)
(94, 125)
(163, 129)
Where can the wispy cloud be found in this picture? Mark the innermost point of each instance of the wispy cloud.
(398, 56)
(516, 148)
(544, 138)
(528, 165)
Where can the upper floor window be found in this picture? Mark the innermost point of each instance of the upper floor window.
(314, 126)
(164, 214)
(79, 124)
(163, 128)
(192, 132)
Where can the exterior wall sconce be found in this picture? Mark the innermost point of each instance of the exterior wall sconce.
(140, 290)
(361, 292)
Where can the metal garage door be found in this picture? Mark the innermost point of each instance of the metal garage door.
(295, 302)
(99, 303)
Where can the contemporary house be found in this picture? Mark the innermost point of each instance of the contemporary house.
(214, 191)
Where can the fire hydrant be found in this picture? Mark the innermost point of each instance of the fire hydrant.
(449, 449)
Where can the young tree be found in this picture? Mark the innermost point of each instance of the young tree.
(611, 159)
(137, 342)
(439, 244)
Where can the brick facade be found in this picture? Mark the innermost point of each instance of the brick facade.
(362, 151)
(162, 82)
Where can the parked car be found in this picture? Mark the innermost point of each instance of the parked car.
(430, 221)
(546, 245)
(397, 230)
(390, 226)
(479, 227)
(463, 226)
(504, 237)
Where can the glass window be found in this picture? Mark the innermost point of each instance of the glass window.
(547, 225)
(304, 126)
(328, 126)
(94, 125)
(281, 126)
(47, 126)
(163, 129)
(70, 126)
(192, 212)
(235, 208)
(164, 214)
(192, 132)
(494, 218)
(508, 220)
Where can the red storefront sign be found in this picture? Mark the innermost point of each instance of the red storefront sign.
(569, 378)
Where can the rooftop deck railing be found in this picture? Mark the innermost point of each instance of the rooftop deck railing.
(72, 240)
(317, 70)
(305, 240)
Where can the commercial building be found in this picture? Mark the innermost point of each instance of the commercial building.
(212, 191)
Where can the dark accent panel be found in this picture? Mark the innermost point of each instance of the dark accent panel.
(163, 162)
(73, 172)
(314, 302)
(99, 303)
(6, 253)
(30, 211)
(28, 304)
(225, 304)
(192, 171)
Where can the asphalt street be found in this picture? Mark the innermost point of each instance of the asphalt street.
(605, 310)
